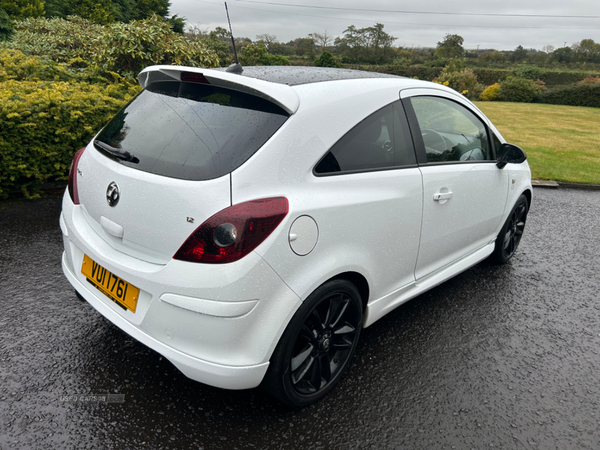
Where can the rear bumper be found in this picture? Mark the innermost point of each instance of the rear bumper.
(218, 375)
(218, 324)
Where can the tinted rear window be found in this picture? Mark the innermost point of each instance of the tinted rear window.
(190, 131)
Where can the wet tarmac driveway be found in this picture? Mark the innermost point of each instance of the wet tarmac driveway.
(499, 357)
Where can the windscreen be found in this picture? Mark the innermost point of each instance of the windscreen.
(189, 131)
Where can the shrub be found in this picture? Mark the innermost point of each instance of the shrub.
(463, 81)
(515, 89)
(257, 55)
(491, 76)
(454, 65)
(327, 60)
(42, 123)
(529, 72)
(400, 63)
(128, 48)
(590, 80)
(554, 78)
(60, 40)
(15, 65)
(580, 94)
(490, 93)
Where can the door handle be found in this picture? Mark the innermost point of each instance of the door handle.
(442, 196)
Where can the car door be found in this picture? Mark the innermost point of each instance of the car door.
(372, 172)
(464, 192)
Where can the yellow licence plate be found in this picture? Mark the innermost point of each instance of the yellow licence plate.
(118, 290)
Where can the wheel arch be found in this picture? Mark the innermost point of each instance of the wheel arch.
(357, 280)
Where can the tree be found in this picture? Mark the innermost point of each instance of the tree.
(519, 54)
(54, 8)
(305, 47)
(97, 11)
(6, 29)
(267, 40)
(195, 32)
(322, 40)
(108, 11)
(20, 9)
(495, 57)
(563, 55)
(177, 23)
(378, 41)
(450, 47)
(222, 47)
(548, 49)
(146, 8)
(370, 44)
(222, 33)
(587, 51)
(351, 43)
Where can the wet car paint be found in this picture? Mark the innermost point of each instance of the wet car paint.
(504, 357)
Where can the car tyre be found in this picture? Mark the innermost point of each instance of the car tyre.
(317, 345)
(510, 235)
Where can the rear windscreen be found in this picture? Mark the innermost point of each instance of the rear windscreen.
(189, 131)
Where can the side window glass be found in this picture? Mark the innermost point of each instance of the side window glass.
(450, 131)
(382, 140)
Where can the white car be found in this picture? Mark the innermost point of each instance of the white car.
(247, 227)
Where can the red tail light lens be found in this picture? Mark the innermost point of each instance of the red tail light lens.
(234, 232)
(73, 193)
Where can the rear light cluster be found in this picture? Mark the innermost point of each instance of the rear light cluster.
(234, 232)
(72, 186)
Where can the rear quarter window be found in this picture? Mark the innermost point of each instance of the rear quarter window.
(189, 131)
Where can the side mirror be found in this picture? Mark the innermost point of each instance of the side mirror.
(509, 153)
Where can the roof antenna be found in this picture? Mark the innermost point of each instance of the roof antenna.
(236, 67)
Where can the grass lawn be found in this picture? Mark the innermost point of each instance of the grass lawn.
(562, 142)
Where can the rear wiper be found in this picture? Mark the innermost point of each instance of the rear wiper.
(123, 155)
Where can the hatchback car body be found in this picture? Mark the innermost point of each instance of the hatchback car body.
(246, 227)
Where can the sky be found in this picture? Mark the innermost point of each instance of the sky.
(502, 25)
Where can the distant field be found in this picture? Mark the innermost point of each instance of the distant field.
(562, 142)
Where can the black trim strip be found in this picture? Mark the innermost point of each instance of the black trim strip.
(349, 172)
(415, 131)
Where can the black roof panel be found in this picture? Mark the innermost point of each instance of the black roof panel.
(295, 75)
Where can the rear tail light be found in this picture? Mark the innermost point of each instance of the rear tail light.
(73, 193)
(234, 232)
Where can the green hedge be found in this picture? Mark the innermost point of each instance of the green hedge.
(42, 124)
(581, 94)
(420, 72)
(550, 77)
(486, 77)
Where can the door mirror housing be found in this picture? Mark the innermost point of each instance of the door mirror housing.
(509, 153)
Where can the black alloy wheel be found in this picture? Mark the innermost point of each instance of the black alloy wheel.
(317, 345)
(509, 237)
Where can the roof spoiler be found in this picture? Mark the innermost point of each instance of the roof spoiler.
(280, 94)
